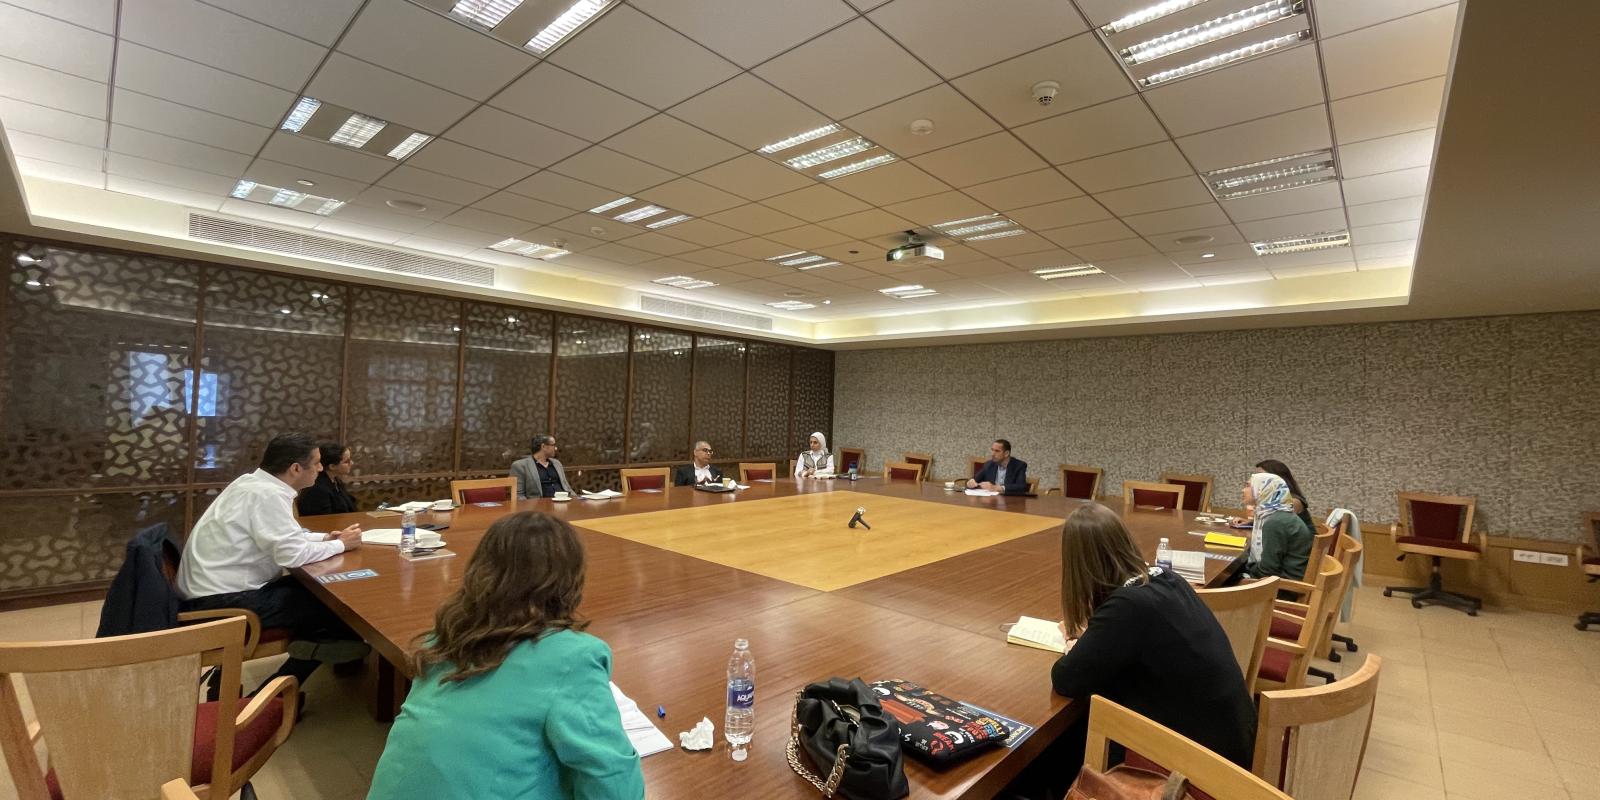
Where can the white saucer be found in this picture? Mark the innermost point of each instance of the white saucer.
(560, 499)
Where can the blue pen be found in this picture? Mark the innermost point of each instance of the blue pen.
(661, 711)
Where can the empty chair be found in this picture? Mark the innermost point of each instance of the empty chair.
(1245, 614)
(1591, 567)
(923, 459)
(486, 490)
(1284, 664)
(1310, 742)
(1438, 526)
(1146, 496)
(645, 479)
(850, 458)
(1159, 746)
(757, 472)
(1196, 489)
(1080, 482)
(903, 471)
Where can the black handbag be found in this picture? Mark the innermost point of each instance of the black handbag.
(848, 735)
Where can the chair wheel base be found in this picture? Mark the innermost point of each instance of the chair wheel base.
(1435, 594)
(1326, 676)
(1333, 655)
(1586, 619)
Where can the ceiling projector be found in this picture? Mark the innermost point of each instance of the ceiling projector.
(915, 251)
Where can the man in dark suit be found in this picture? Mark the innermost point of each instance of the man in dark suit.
(701, 471)
(1001, 473)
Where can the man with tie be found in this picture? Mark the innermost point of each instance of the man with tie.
(700, 471)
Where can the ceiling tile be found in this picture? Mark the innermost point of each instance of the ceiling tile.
(749, 32)
(211, 36)
(889, 183)
(703, 232)
(570, 103)
(816, 203)
(1298, 131)
(369, 217)
(1088, 75)
(806, 237)
(275, 173)
(1146, 164)
(170, 194)
(1346, 16)
(468, 163)
(513, 137)
(1013, 245)
(1314, 269)
(1229, 259)
(1401, 51)
(601, 228)
(1055, 257)
(1399, 109)
(754, 218)
(613, 170)
(52, 123)
(1128, 267)
(753, 177)
(100, 15)
(515, 205)
(1274, 263)
(438, 246)
(430, 184)
(403, 37)
(1074, 236)
(453, 233)
(748, 111)
(160, 75)
(848, 70)
(276, 215)
(61, 173)
(55, 150)
(379, 197)
(161, 116)
(350, 230)
(954, 118)
(44, 87)
(1243, 91)
(993, 157)
(480, 220)
(1387, 154)
(157, 172)
(692, 197)
(1224, 249)
(1277, 204)
(346, 162)
(1177, 219)
(659, 243)
(1110, 251)
(563, 191)
(54, 44)
(712, 258)
(757, 249)
(938, 208)
(1027, 189)
(869, 223)
(1387, 254)
(621, 254)
(1156, 196)
(1387, 232)
(1386, 186)
(1097, 130)
(639, 57)
(1059, 214)
(156, 147)
(1406, 208)
(666, 142)
(375, 91)
(320, 21)
(958, 36)
(569, 241)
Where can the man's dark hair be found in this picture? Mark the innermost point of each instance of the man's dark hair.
(289, 448)
(1006, 443)
(540, 441)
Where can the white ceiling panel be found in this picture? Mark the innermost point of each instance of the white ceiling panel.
(750, 112)
(643, 59)
(674, 145)
(166, 117)
(939, 208)
(1387, 254)
(621, 254)
(1027, 189)
(1334, 19)
(1097, 130)
(869, 223)
(378, 92)
(711, 258)
(100, 15)
(1387, 154)
(221, 39)
(1059, 214)
(168, 174)
(890, 183)
(958, 36)
(1186, 219)
(602, 229)
(431, 184)
(436, 246)
(1244, 91)
(703, 232)
(379, 197)
(848, 70)
(1298, 131)
(1119, 249)
(170, 194)
(56, 151)
(405, 38)
(20, 80)
(660, 244)
(1013, 245)
(756, 249)
(154, 73)
(1406, 208)
(563, 191)
(54, 44)
(320, 21)
(61, 173)
(366, 216)
(1387, 232)
(954, 118)
(273, 173)
(156, 147)
(52, 123)
(753, 177)
(515, 205)
(749, 32)
(816, 203)
(352, 230)
(1314, 269)
(469, 163)
(570, 103)
(806, 237)
(691, 197)
(513, 137)
(1277, 204)
(1386, 186)
(754, 218)
(1401, 51)
(1157, 196)
(1386, 112)
(1087, 73)
(993, 157)
(1055, 257)
(333, 159)
(613, 170)
(1074, 236)
(1148, 164)
(445, 232)
(1331, 219)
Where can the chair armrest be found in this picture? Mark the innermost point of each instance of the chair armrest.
(1285, 645)
(1298, 609)
(1295, 587)
(286, 687)
(1483, 542)
(33, 732)
(1579, 554)
(252, 623)
(1288, 617)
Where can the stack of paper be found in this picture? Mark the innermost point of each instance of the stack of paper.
(603, 494)
(1190, 565)
(1038, 633)
(415, 505)
(388, 536)
(643, 733)
(981, 492)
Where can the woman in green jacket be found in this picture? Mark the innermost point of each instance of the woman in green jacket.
(1280, 543)
(513, 702)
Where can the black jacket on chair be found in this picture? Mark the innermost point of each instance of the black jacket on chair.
(683, 474)
(141, 598)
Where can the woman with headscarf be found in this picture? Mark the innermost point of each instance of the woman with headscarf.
(1280, 544)
(814, 460)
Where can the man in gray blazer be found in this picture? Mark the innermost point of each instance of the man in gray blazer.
(540, 475)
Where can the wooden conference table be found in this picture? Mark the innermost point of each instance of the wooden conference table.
(675, 576)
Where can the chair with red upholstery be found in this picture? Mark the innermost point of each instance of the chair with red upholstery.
(1438, 526)
(259, 642)
(1289, 616)
(925, 460)
(645, 479)
(902, 471)
(1288, 656)
(1196, 490)
(119, 718)
(1310, 742)
(1147, 496)
(975, 463)
(1591, 567)
(487, 490)
(851, 458)
(1156, 748)
(1079, 482)
(757, 472)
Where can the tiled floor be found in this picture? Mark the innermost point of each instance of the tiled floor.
(1505, 706)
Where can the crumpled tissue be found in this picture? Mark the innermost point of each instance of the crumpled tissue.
(700, 738)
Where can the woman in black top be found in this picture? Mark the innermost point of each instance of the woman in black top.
(330, 494)
(1302, 506)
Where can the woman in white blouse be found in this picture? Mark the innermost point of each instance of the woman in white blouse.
(815, 460)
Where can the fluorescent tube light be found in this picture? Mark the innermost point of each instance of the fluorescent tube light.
(800, 138)
(1324, 240)
(1074, 271)
(328, 207)
(1241, 181)
(601, 209)
(1276, 187)
(409, 146)
(795, 262)
(569, 21)
(909, 290)
(642, 212)
(357, 130)
(529, 249)
(487, 13)
(787, 255)
(980, 227)
(1224, 59)
(673, 220)
(964, 221)
(301, 114)
(837, 150)
(287, 197)
(848, 169)
(823, 264)
(995, 235)
(243, 190)
(792, 305)
(1148, 14)
(683, 282)
(1212, 30)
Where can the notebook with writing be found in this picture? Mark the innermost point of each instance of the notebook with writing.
(1037, 633)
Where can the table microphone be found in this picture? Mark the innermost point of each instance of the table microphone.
(860, 517)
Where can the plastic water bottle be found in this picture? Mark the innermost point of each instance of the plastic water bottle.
(739, 724)
(1164, 554)
(408, 533)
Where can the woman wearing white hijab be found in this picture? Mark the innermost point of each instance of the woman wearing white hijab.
(817, 459)
(1280, 543)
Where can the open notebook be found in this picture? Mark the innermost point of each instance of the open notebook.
(1038, 633)
(645, 736)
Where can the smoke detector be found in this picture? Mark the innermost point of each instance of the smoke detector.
(921, 127)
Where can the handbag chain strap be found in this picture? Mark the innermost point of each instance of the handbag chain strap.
(840, 756)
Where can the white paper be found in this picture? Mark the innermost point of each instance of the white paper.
(1189, 564)
(603, 494)
(645, 736)
(415, 505)
(1041, 631)
(982, 492)
(388, 536)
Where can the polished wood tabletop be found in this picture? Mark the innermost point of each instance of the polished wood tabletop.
(675, 576)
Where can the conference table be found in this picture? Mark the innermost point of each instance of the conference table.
(676, 575)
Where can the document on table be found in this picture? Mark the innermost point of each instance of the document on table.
(388, 536)
(415, 505)
(603, 494)
(645, 736)
(1038, 633)
(981, 492)
(1190, 565)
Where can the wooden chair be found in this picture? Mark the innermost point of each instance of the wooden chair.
(259, 642)
(1284, 664)
(1197, 490)
(757, 472)
(1079, 482)
(1207, 772)
(1310, 742)
(1033, 485)
(177, 790)
(925, 459)
(645, 478)
(851, 457)
(486, 490)
(1245, 614)
(1591, 567)
(903, 471)
(974, 464)
(119, 718)
(1146, 496)
(1438, 526)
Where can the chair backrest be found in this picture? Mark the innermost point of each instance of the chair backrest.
(1208, 772)
(974, 464)
(177, 790)
(1347, 549)
(1445, 517)
(852, 457)
(1322, 607)
(757, 472)
(1196, 489)
(1245, 614)
(1080, 482)
(902, 471)
(1310, 742)
(487, 490)
(1033, 485)
(1322, 544)
(645, 478)
(925, 459)
(1147, 496)
(118, 714)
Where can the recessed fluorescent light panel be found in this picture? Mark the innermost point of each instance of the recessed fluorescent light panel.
(285, 198)
(529, 249)
(1073, 271)
(325, 122)
(793, 305)
(800, 138)
(802, 260)
(1176, 39)
(857, 166)
(1324, 240)
(827, 152)
(1272, 175)
(908, 291)
(484, 13)
(1215, 29)
(632, 211)
(683, 282)
(538, 26)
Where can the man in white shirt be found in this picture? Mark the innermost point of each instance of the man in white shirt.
(700, 471)
(238, 551)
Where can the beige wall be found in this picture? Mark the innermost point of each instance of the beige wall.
(1504, 408)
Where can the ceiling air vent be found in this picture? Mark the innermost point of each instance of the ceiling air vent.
(701, 313)
(338, 251)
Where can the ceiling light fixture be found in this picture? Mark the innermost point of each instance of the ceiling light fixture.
(243, 189)
(1324, 240)
(832, 152)
(800, 138)
(806, 259)
(1208, 255)
(1272, 175)
(1277, 187)
(980, 227)
(1224, 59)
(1148, 14)
(859, 166)
(1073, 271)
(409, 146)
(406, 205)
(1212, 30)
(643, 212)
(601, 209)
(787, 255)
(792, 305)
(304, 182)
(995, 235)
(487, 13)
(683, 282)
(907, 291)
(964, 221)
(569, 21)
(823, 264)
(529, 249)
(1244, 181)
(357, 130)
(672, 220)
(301, 114)
(254, 192)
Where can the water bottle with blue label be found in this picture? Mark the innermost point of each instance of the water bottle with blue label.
(408, 533)
(739, 724)
(1164, 554)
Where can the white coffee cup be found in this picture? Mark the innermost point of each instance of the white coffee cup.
(728, 483)
(561, 496)
(429, 539)
(443, 505)
(949, 484)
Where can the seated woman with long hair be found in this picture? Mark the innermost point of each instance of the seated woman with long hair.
(512, 700)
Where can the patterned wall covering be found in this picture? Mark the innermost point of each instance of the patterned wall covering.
(109, 421)
(813, 396)
(767, 402)
(1498, 407)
